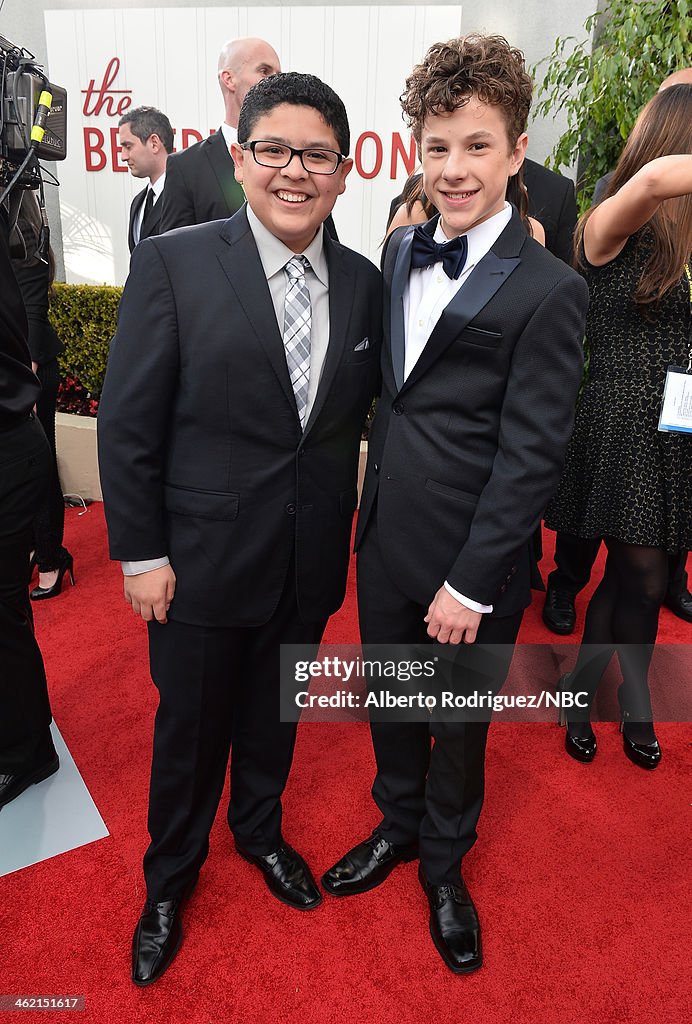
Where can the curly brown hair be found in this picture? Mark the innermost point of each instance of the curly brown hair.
(475, 65)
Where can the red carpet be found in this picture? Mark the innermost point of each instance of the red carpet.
(581, 872)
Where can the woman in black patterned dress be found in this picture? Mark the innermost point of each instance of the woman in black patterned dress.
(625, 480)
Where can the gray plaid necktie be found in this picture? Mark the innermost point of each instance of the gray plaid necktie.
(297, 322)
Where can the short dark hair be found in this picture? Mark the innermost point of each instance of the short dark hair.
(474, 65)
(300, 91)
(146, 121)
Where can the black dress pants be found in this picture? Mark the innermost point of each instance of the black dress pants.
(25, 713)
(219, 692)
(430, 794)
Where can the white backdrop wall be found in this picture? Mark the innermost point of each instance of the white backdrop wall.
(127, 53)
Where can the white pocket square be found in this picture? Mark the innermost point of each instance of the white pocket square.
(362, 345)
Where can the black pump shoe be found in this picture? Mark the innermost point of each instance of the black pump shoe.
(638, 737)
(580, 739)
(43, 593)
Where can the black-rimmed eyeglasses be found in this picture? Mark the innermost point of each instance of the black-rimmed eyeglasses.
(274, 154)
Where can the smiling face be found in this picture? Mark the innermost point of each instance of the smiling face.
(290, 201)
(467, 160)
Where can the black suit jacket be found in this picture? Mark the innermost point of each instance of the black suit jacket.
(201, 186)
(464, 454)
(151, 225)
(202, 456)
(552, 201)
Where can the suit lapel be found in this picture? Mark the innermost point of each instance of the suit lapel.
(341, 289)
(485, 280)
(134, 210)
(402, 268)
(243, 268)
(224, 170)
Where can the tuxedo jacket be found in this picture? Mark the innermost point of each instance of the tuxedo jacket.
(151, 225)
(552, 201)
(465, 453)
(202, 456)
(201, 186)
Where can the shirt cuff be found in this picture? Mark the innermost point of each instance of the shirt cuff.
(484, 609)
(135, 568)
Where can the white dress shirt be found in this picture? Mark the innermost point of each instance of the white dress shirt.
(428, 292)
(230, 134)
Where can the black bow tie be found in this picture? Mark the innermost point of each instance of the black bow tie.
(426, 252)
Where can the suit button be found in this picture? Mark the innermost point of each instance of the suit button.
(301, 452)
(376, 468)
(503, 588)
(398, 409)
(291, 508)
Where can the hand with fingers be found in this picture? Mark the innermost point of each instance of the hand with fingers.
(150, 593)
(451, 622)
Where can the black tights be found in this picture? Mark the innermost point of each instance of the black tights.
(623, 616)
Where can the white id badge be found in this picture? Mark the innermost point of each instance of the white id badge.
(676, 409)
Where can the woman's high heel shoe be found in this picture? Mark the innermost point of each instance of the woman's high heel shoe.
(642, 751)
(66, 566)
(580, 740)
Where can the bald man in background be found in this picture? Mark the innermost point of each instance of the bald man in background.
(575, 556)
(200, 181)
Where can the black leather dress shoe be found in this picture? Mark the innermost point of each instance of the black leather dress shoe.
(157, 938)
(680, 605)
(11, 786)
(287, 876)
(366, 866)
(558, 611)
(454, 925)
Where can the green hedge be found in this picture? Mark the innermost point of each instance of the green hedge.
(84, 317)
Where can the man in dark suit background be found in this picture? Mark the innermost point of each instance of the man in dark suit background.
(146, 138)
(481, 366)
(242, 370)
(553, 202)
(201, 183)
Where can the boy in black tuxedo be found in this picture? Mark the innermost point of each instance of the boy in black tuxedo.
(481, 365)
(245, 361)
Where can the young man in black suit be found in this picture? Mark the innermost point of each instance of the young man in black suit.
(201, 184)
(242, 370)
(481, 365)
(146, 138)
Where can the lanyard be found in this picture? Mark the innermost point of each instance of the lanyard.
(689, 354)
